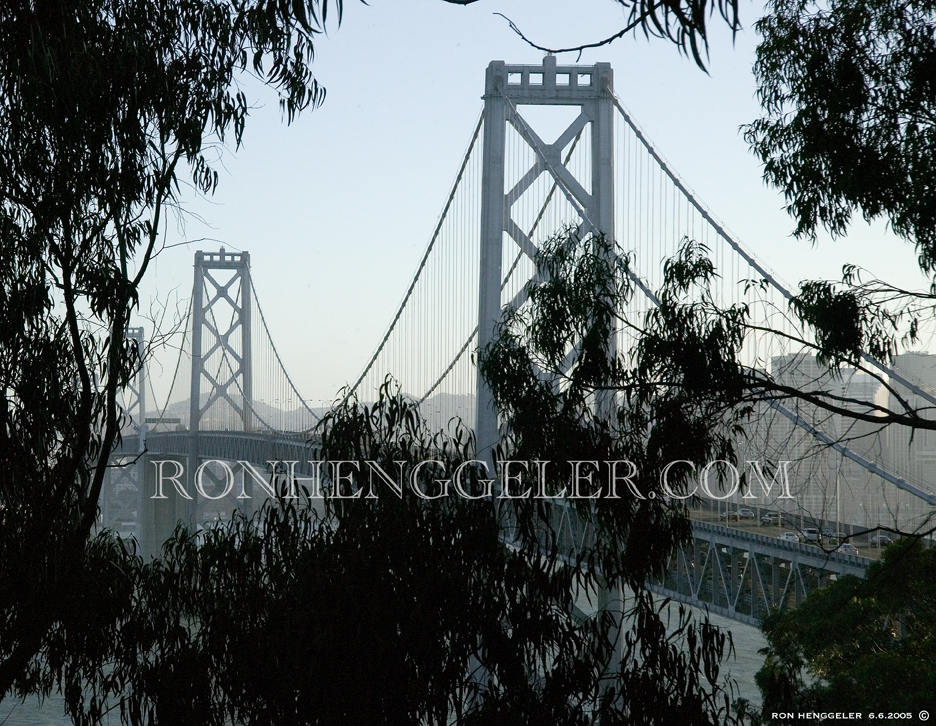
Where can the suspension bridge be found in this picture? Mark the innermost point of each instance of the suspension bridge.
(232, 400)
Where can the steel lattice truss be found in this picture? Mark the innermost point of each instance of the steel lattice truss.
(742, 575)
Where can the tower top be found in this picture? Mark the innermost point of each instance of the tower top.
(549, 83)
(222, 259)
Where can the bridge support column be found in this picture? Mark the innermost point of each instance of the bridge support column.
(734, 584)
(601, 210)
(493, 213)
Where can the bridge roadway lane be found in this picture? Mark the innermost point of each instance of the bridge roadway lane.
(257, 448)
(866, 550)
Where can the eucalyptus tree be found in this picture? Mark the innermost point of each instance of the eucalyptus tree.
(849, 128)
(106, 108)
(848, 91)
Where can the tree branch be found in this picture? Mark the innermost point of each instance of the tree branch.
(607, 41)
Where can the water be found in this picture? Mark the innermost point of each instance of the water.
(747, 661)
(29, 713)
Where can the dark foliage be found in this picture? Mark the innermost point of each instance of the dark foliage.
(102, 105)
(849, 94)
(567, 395)
(858, 645)
(391, 609)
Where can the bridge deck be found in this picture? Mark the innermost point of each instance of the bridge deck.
(742, 575)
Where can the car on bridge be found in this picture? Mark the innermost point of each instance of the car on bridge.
(847, 549)
(771, 518)
(788, 537)
(882, 540)
(737, 514)
(811, 535)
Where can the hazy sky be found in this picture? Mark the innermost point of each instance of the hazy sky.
(337, 208)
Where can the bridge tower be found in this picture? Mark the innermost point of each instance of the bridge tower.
(506, 88)
(221, 352)
(224, 364)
